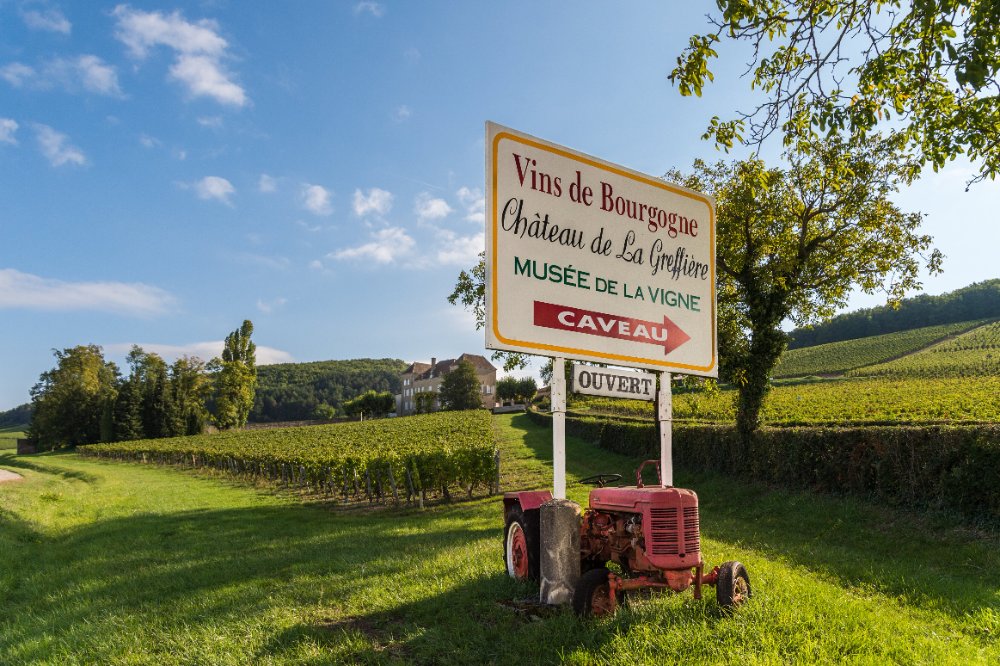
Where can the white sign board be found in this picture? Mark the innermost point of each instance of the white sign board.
(590, 260)
(592, 380)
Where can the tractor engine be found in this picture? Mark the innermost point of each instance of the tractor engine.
(650, 531)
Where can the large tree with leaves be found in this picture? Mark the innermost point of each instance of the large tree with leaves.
(70, 401)
(793, 242)
(190, 390)
(925, 69)
(236, 378)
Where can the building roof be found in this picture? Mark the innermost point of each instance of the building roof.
(416, 368)
(442, 368)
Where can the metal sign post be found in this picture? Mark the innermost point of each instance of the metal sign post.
(664, 424)
(558, 398)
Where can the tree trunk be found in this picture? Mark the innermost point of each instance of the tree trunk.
(766, 345)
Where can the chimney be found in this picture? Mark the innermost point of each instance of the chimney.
(434, 362)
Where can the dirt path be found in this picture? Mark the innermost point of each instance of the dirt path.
(9, 476)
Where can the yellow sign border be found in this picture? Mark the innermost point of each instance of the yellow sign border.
(569, 351)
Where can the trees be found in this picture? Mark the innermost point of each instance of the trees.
(460, 388)
(506, 389)
(793, 242)
(927, 70)
(371, 404)
(70, 401)
(425, 402)
(236, 378)
(512, 389)
(526, 389)
(190, 389)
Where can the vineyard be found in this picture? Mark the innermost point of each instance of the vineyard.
(974, 354)
(378, 461)
(840, 357)
(848, 400)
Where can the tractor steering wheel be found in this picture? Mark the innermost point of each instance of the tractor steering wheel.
(601, 480)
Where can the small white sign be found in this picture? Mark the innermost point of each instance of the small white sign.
(589, 260)
(592, 380)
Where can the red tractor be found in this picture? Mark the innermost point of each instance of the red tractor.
(652, 533)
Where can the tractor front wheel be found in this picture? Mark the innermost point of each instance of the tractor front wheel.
(520, 545)
(733, 586)
(592, 596)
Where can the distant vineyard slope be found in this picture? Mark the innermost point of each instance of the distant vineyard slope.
(842, 401)
(973, 354)
(980, 300)
(839, 357)
(293, 391)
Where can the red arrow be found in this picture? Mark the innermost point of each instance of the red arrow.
(567, 318)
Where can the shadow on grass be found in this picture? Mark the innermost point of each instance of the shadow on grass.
(209, 567)
(11, 461)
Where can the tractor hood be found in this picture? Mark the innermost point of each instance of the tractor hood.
(631, 498)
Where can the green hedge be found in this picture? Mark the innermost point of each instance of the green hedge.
(952, 468)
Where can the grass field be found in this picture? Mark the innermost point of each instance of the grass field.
(839, 357)
(118, 563)
(9, 436)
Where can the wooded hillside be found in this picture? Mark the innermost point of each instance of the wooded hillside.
(980, 300)
(294, 391)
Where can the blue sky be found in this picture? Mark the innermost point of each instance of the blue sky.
(170, 169)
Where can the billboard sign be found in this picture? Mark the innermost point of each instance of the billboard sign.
(590, 260)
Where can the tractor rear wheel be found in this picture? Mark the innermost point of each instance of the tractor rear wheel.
(733, 585)
(592, 596)
(520, 544)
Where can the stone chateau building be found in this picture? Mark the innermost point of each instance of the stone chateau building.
(421, 378)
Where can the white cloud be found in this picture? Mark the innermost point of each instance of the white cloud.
(94, 75)
(388, 246)
(215, 187)
(214, 122)
(267, 183)
(459, 250)
(51, 20)
(205, 77)
(376, 201)
(8, 126)
(475, 204)
(198, 47)
(412, 55)
(430, 208)
(203, 350)
(17, 74)
(267, 307)
(56, 148)
(148, 141)
(23, 290)
(402, 113)
(316, 199)
(85, 72)
(374, 8)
